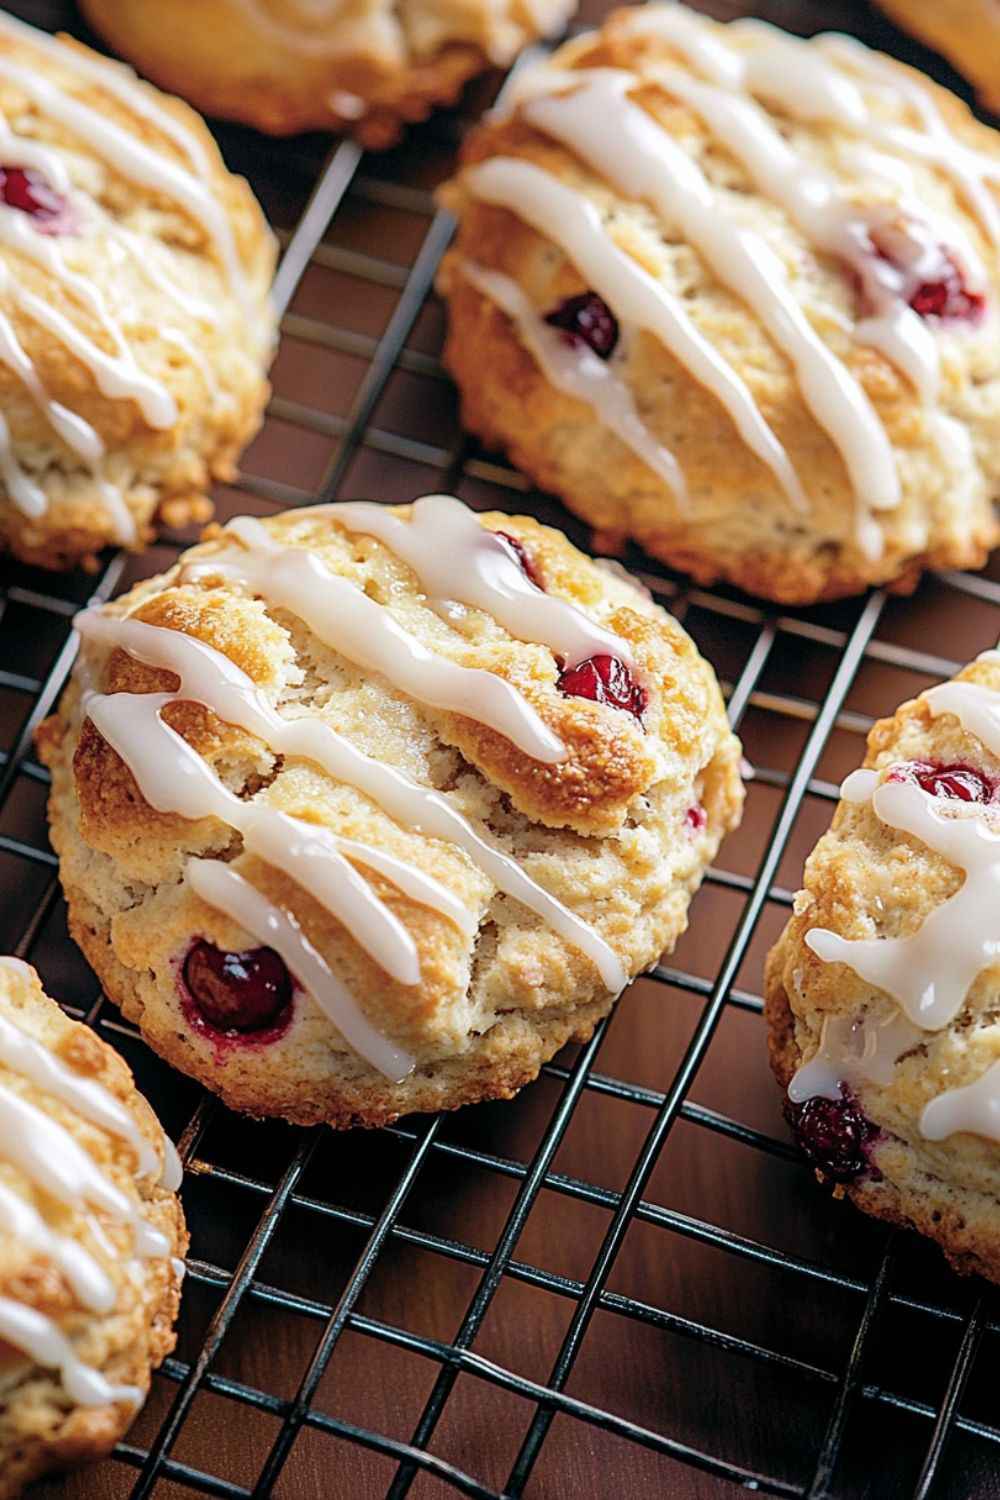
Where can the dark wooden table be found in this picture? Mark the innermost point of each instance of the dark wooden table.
(734, 1302)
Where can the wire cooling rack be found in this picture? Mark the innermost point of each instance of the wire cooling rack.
(625, 1281)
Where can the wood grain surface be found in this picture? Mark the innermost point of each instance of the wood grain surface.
(699, 1390)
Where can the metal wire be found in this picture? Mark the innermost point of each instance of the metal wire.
(339, 182)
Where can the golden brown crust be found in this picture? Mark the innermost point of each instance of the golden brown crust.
(139, 279)
(737, 524)
(867, 879)
(369, 72)
(967, 32)
(606, 831)
(41, 1428)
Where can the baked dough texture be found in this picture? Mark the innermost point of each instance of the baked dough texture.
(966, 32)
(867, 879)
(730, 517)
(42, 1427)
(136, 326)
(367, 68)
(620, 831)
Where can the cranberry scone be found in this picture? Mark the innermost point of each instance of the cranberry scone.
(734, 294)
(91, 1235)
(966, 32)
(883, 992)
(135, 327)
(363, 810)
(288, 65)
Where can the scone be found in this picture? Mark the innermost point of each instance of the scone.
(135, 327)
(90, 1238)
(364, 810)
(287, 65)
(883, 992)
(966, 32)
(734, 294)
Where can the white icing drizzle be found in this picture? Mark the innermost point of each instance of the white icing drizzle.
(126, 153)
(580, 373)
(72, 429)
(830, 220)
(38, 1337)
(116, 376)
(44, 1152)
(224, 888)
(162, 759)
(344, 618)
(23, 1055)
(455, 557)
(573, 223)
(929, 972)
(28, 496)
(974, 1108)
(149, 259)
(970, 170)
(90, 1283)
(850, 1051)
(174, 778)
(643, 160)
(117, 79)
(806, 80)
(116, 373)
(974, 705)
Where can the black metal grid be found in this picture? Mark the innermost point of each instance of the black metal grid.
(851, 638)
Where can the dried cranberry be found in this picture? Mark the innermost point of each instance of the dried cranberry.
(524, 559)
(696, 818)
(28, 191)
(587, 319)
(234, 993)
(927, 274)
(947, 297)
(834, 1134)
(604, 679)
(957, 780)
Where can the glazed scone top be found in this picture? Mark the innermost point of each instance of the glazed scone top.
(127, 253)
(779, 214)
(80, 1153)
(565, 692)
(903, 893)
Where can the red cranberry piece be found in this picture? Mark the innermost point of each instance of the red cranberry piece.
(604, 679)
(587, 319)
(834, 1134)
(948, 297)
(237, 992)
(930, 278)
(524, 559)
(22, 188)
(696, 818)
(962, 782)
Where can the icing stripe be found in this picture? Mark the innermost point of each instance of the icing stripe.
(477, 568)
(132, 157)
(224, 888)
(208, 677)
(344, 618)
(573, 223)
(644, 162)
(580, 373)
(38, 1337)
(57, 1167)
